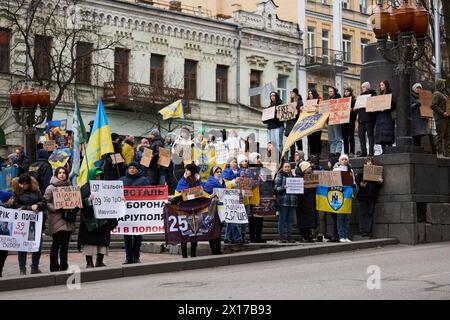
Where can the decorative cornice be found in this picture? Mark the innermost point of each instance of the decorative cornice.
(284, 66)
(258, 62)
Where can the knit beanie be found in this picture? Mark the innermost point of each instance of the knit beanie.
(304, 165)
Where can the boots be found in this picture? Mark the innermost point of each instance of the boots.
(193, 249)
(99, 262)
(289, 239)
(89, 262)
(184, 250)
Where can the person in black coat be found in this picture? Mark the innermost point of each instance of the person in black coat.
(384, 124)
(113, 171)
(367, 196)
(21, 161)
(275, 127)
(153, 172)
(134, 178)
(366, 124)
(27, 196)
(314, 139)
(42, 170)
(418, 124)
(94, 235)
(295, 98)
(348, 129)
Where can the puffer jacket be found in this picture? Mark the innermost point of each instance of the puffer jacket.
(284, 199)
(136, 180)
(439, 100)
(56, 222)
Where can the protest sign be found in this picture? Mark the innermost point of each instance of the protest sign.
(230, 209)
(361, 101)
(347, 178)
(311, 180)
(6, 176)
(50, 145)
(311, 105)
(59, 158)
(190, 221)
(286, 112)
(117, 158)
(373, 173)
(20, 230)
(340, 111)
(294, 185)
(164, 157)
(146, 157)
(144, 211)
(192, 193)
(425, 98)
(330, 178)
(266, 189)
(268, 113)
(325, 105)
(109, 201)
(221, 153)
(266, 208)
(67, 198)
(246, 185)
(379, 103)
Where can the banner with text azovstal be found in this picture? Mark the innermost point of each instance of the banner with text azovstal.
(144, 211)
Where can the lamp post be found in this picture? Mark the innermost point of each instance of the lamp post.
(401, 36)
(24, 103)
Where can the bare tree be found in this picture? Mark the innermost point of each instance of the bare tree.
(63, 24)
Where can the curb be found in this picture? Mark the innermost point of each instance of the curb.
(261, 255)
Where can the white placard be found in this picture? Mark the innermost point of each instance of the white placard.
(20, 230)
(222, 153)
(109, 199)
(294, 186)
(361, 101)
(229, 207)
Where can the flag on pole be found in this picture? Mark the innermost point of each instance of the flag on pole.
(99, 143)
(79, 137)
(174, 110)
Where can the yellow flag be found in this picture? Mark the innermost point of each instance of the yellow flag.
(174, 110)
(306, 124)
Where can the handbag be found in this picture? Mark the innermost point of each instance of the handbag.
(93, 225)
(70, 215)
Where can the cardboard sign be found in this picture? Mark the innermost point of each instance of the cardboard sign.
(372, 173)
(347, 178)
(192, 193)
(379, 103)
(361, 102)
(266, 208)
(287, 112)
(146, 157)
(267, 114)
(164, 157)
(67, 198)
(311, 180)
(50, 145)
(330, 178)
(109, 199)
(184, 151)
(425, 98)
(311, 105)
(117, 158)
(294, 186)
(340, 111)
(230, 208)
(324, 106)
(246, 185)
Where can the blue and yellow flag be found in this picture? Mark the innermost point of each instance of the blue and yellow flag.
(334, 199)
(174, 110)
(99, 143)
(306, 124)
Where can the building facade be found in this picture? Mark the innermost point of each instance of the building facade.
(162, 53)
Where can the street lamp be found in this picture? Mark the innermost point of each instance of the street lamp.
(24, 103)
(401, 36)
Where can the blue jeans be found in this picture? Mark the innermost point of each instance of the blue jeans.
(243, 226)
(343, 224)
(286, 218)
(35, 257)
(233, 230)
(133, 247)
(275, 136)
(335, 138)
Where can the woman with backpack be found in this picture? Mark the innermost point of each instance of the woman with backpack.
(61, 222)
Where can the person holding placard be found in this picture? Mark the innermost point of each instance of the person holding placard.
(442, 118)
(286, 203)
(231, 173)
(384, 123)
(154, 170)
(348, 129)
(256, 224)
(366, 124)
(307, 215)
(332, 160)
(128, 149)
(113, 171)
(5, 197)
(418, 124)
(334, 131)
(275, 128)
(367, 196)
(27, 196)
(314, 139)
(298, 100)
(94, 235)
(59, 228)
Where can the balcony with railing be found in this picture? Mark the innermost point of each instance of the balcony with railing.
(320, 59)
(129, 94)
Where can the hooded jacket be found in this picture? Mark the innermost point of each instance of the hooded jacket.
(213, 183)
(439, 100)
(127, 151)
(42, 170)
(418, 124)
(135, 180)
(56, 222)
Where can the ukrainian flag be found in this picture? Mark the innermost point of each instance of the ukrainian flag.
(334, 199)
(174, 110)
(99, 143)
